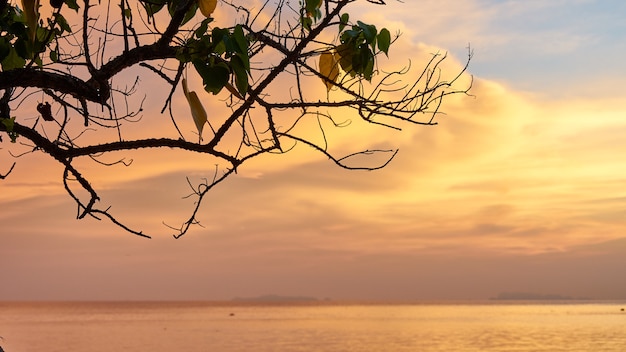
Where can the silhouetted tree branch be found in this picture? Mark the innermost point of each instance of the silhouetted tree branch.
(77, 63)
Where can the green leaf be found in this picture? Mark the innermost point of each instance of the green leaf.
(350, 35)
(12, 60)
(72, 4)
(241, 74)
(153, 7)
(9, 124)
(62, 22)
(190, 13)
(38, 61)
(43, 37)
(54, 56)
(384, 40)
(359, 59)
(343, 21)
(219, 35)
(182, 55)
(368, 69)
(317, 14)
(23, 48)
(245, 60)
(18, 28)
(346, 52)
(214, 77)
(219, 38)
(307, 22)
(369, 31)
(363, 62)
(204, 25)
(220, 48)
(312, 8)
(240, 39)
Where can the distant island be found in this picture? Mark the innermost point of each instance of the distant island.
(527, 296)
(276, 299)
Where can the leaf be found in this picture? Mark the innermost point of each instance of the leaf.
(245, 60)
(18, 28)
(13, 60)
(384, 40)
(345, 53)
(153, 8)
(312, 8)
(329, 68)
(72, 4)
(368, 70)
(173, 5)
(62, 22)
(343, 21)
(349, 35)
(54, 56)
(307, 22)
(189, 14)
(369, 31)
(202, 28)
(219, 48)
(197, 110)
(23, 48)
(214, 76)
(240, 39)
(365, 65)
(241, 74)
(229, 87)
(10, 124)
(207, 7)
(219, 37)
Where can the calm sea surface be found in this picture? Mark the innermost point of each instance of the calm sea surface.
(188, 327)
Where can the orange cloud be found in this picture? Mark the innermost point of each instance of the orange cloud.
(503, 171)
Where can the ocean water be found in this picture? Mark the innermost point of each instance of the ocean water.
(189, 327)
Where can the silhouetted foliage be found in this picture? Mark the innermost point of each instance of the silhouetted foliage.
(72, 61)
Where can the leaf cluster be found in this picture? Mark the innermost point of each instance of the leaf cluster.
(310, 13)
(79, 76)
(25, 36)
(218, 56)
(356, 54)
(153, 7)
(358, 48)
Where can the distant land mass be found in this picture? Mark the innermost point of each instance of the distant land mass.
(527, 296)
(276, 299)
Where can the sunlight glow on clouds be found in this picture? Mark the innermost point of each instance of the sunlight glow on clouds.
(498, 165)
(509, 174)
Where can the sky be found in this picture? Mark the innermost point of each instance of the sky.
(521, 186)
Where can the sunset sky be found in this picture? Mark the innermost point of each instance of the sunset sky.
(521, 187)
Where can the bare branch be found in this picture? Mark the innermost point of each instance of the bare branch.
(3, 176)
(262, 65)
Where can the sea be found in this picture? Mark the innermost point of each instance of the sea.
(319, 326)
